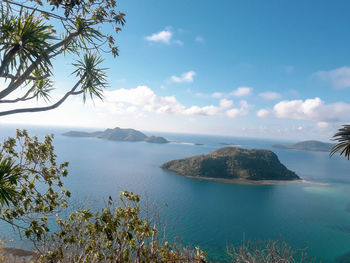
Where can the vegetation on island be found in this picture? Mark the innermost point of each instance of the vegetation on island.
(315, 146)
(233, 163)
(118, 134)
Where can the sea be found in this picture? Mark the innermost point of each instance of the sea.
(314, 217)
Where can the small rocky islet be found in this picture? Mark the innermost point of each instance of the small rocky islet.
(233, 163)
(118, 134)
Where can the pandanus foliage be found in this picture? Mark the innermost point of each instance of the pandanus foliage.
(34, 33)
(343, 145)
(9, 173)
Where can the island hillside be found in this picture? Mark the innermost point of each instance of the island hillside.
(118, 134)
(315, 146)
(233, 163)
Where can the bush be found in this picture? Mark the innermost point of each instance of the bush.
(266, 252)
(117, 233)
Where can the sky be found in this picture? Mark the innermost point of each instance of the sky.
(267, 69)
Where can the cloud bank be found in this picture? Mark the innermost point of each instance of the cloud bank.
(143, 99)
(315, 110)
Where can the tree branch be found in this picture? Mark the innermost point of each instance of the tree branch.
(53, 106)
(10, 76)
(36, 9)
(24, 98)
(15, 84)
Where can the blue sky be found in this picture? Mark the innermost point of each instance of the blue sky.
(274, 69)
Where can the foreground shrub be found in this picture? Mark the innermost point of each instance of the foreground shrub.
(267, 252)
(117, 233)
(31, 184)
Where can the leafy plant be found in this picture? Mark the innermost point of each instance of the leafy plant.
(9, 173)
(117, 233)
(266, 252)
(343, 145)
(34, 182)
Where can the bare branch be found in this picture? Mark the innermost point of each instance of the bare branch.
(51, 107)
(10, 76)
(24, 98)
(36, 9)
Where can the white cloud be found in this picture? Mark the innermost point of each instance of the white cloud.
(207, 110)
(233, 113)
(339, 78)
(224, 103)
(144, 99)
(218, 95)
(199, 39)
(269, 95)
(310, 110)
(237, 112)
(161, 37)
(239, 92)
(322, 125)
(242, 92)
(185, 77)
(263, 113)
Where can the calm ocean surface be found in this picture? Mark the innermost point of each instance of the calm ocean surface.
(210, 214)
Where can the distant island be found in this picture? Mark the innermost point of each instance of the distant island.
(118, 134)
(234, 165)
(315, 146)
(227, 143)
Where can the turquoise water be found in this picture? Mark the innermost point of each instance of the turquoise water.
(212, 214)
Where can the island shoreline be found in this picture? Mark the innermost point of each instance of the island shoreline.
(239, 181)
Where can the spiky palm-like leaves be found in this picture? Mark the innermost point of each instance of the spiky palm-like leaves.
(24, 39)
(41, 86)
(93, 77)
(343, 145)
(8, 178)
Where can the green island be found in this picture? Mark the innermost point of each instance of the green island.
(234, 165)
(314, 146)
(118, 134)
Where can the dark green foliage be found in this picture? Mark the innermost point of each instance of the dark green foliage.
(343, 145)
(24, 39)
(9, 173)
(233, 163)
(37, 183)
